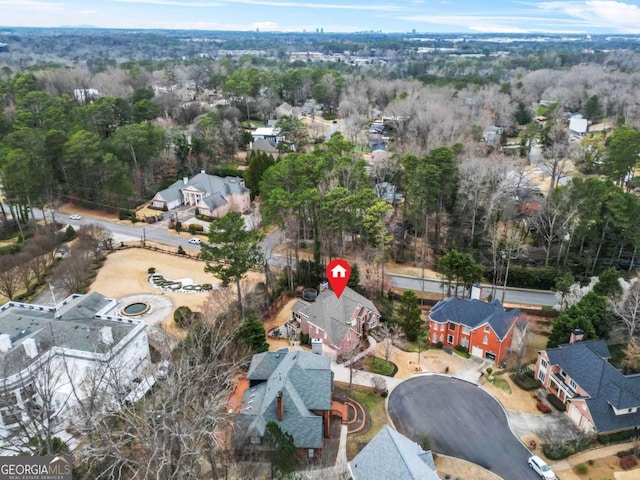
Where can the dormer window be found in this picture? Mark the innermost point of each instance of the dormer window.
(487, 328)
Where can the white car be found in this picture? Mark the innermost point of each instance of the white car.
(75, 216)
(541, 468)
(194, 240)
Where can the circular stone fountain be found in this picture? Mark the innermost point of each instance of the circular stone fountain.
(135, 309)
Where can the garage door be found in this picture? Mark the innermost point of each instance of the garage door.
(490, 356)
(477, 352)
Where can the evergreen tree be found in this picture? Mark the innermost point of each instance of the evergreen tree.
(410, 315)
(253, 334)
(283, 451)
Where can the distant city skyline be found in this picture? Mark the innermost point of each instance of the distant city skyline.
(423, 16)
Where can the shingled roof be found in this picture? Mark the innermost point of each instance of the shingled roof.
(305, 380)
(333, 314)
(585, 362)
(392, 455)
(207, 184)
(474, 313)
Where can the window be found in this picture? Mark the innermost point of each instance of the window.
(541, 376)
(311, 453)
(466, 330)
(543, 363)
(449, 338)
(485, 340)
(487, 328)
(573, 384)
(441, 338)
(465, 342)
(452, 326)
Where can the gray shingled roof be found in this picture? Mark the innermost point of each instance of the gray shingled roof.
(76, 329)
(392, 455)
(207, 184)
(474, 313)
(333, 314)
(585, 362)
(305, 380)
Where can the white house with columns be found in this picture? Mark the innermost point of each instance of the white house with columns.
(81, 345)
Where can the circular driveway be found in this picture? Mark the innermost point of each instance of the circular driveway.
(462, 421)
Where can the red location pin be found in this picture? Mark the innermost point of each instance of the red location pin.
(338, 273)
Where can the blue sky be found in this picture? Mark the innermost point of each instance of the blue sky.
(465, 16)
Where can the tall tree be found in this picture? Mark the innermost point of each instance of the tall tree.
(283, 450)
(623, 151)
(231, 251)
(409, 315)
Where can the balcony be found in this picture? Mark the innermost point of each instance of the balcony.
(562, 385)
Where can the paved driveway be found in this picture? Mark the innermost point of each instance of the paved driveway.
(461, 420)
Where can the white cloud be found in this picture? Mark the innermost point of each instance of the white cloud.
(605, 14)
(270, 3)
(32, 4)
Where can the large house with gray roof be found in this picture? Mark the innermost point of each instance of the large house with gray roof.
(212, 195)
(341, 323)
(486, 329)
(54, 351)
(293, 389)
(392, 455)
(597, 396)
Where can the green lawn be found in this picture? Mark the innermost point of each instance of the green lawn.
(501, 384)
(374, 404)
(379, 366)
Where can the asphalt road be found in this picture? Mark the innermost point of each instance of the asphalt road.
(158, 233)
(511, 295)
(461, 421)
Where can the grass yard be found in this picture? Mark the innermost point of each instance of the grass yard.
(374, 404)
(379, 366)
(500, 383)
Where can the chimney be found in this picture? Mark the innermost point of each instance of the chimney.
(476, 292)
(324, 286)
(577, 335)
(30, 348)
(185, 180)
(106, 335)
(280, 406)
(5, 342)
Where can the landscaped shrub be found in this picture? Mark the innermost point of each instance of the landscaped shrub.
(181, 250)
(462, 351)
(305, 339)
(628, 462)
(581, 469)
(183, 316)
(557, 452)
(124, 214)
(543, 408)
(525, 382)
(206, 286)
(556, 402)
(615, 437)
(624, 453)
(151, 270)
(439, 345)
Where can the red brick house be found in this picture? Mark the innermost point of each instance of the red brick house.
(341, 323)
(486, 329)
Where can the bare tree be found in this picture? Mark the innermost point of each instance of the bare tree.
(9, 278)
(388, 335)
(94, 238)
(73, 273)
(179, 431)
(23, 270)
(627, 309)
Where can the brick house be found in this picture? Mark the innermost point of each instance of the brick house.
(293, 389)
(341, 323)
(486, 329)
(598, 397)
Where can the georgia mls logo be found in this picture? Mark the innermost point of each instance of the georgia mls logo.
(35, 468)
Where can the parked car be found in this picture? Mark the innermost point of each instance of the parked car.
(541, 468)
(194, 240)
(75, 216)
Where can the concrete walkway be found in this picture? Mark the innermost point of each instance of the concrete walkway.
(523, 424)
(594, 454)
(472, 369)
